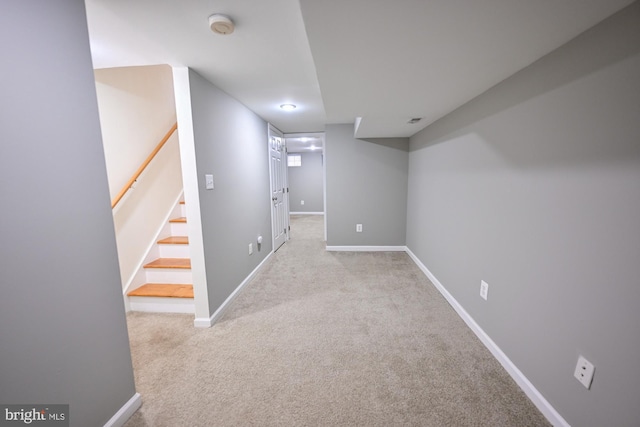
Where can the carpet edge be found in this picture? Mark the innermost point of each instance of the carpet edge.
(203, 322)
(523, 382)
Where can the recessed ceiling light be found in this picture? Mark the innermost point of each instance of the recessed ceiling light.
(288, 107)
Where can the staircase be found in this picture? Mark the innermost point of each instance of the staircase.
(168, 281)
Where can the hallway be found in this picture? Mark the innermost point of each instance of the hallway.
(324, 338)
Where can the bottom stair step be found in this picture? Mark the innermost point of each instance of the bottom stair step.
(163, 290)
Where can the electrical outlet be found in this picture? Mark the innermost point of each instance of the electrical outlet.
(302, 202)
(250, 248)
(358, 228)
(584, 372)
(484, 289)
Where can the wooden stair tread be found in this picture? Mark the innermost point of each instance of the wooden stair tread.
(174, 240)
(181, 219)
(170, 263)
(182, 202)
(163, 290)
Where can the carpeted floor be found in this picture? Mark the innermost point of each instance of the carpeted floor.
(324, 339)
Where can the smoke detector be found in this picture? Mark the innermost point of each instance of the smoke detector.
(221, 24)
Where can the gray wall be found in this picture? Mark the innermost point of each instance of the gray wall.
(305, 183)
(231, 144)
(63, 336)
(366, 184)
(534, 187)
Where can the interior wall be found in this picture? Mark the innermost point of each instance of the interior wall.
(534, 188)
(62, 321)
(190, 179)
(231, 144)
(366, 184)
(137, 108)
(305, 184)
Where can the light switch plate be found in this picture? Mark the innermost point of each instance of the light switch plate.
(484, 289)
(208, 179)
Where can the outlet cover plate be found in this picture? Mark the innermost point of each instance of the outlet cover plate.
(358, 228)
(584, 372)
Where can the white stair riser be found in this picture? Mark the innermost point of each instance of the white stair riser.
(179, 229)
(169, 275)
(162, 305)
(183, 211)
(174, 251)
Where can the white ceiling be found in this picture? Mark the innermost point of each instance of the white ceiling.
(305, 142)
(398, 60)
(265, 63)
(383, 61)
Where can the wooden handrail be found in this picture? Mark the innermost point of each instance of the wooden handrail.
(142, 167)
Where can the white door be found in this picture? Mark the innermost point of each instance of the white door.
(278, 171)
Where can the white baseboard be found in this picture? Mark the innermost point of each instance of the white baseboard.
(306, 213)
(201, 322)
(534, 395)
(124, 413)
(367, 248)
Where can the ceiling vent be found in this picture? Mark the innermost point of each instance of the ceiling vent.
(414, 120)
(221, 24)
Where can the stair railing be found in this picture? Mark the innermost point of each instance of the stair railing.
(143, 166)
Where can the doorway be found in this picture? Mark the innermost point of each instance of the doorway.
(306, 173)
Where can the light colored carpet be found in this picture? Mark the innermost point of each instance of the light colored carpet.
(324, 339)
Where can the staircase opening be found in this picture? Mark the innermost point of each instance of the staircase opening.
(138, 120)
